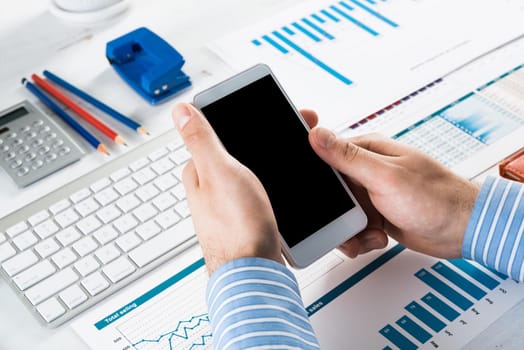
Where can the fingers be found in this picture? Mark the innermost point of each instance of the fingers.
(311, 117)
(200, 139)
(381, 144)
(359, 164)
(366, 241)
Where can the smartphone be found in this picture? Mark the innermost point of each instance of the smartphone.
(259, 126)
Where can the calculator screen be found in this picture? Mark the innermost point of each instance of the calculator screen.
(9, 117)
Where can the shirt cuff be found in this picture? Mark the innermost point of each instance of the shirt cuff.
(494, 233)
(255, 302)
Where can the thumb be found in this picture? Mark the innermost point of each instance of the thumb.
(198, 135)
(357, 163)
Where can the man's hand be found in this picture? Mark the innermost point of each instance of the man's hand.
(231, 212)
(405, 193)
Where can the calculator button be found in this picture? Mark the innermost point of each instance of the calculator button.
(11, 135)
(37, 164)
(29, 157)
(50, 136)
(57, 143)
(38, 123)
(44, 129)
(50, 157)
(37, 143)
(31, 135)
(16, 164)
(9, 156)
(24, 149)
(43, 150)
(25, 128)
(5, 148)
(64, 150)
(22, 171)
(18, 142)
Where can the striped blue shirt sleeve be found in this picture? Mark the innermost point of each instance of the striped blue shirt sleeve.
(494, 233)
(256, 303)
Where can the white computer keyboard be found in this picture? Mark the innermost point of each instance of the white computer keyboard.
(86, 240)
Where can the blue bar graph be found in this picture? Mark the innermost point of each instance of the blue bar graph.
(441, 287)
(318, 18)
(397, 338)
(374, 13)
(480, 276)
(498, 274)
(414, 329)
(275, 44)
(346, 6)
(459, 281)
(312, 58)
(318, 29)
(354, 21)
(372, 2)
(256, 42)
(425, 316)
(440, 306)
(306, 32)
(387, 348)
(330, 15)
(287, 30)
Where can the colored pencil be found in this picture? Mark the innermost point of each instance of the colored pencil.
(50, 89)
(66, 117)
(95, 102)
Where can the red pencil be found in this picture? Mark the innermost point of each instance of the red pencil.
(78, 110)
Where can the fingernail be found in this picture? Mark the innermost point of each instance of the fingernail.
(373, 243)
(181, 115)
(325, 138)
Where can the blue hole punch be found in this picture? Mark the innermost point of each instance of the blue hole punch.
(148, 64)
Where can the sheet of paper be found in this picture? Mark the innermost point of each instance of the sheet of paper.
(349, 58)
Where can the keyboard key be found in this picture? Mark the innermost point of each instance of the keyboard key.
(67, 218)
(164, 201)
(25, 240)
(162, 243)
(2, 237)
(180, 156)
(144, 176)
(145, 212)
(148, 230)
(106, 196)
(108, 214)
(87, 207)
(73, 296)
(128, 241)
(47, 248)
(128, 203)
(34, 274)
(177, 172)
(162, 166)
(46, 229)
(38, 217)
(158, 154)
(120, 174)
(60, 206)
(79, 196)
(100, 184)
(68, 236)
(167, 219)
(182, 209)
(147, 192)
(105, 235)
(64, 258)
(85, 246)
(107, 253)
(19, 262)
(88, 225)
(16, 229)
(165, 182)
(179, 191)
(51, 286)
(139, 164)
(125, 186)
(125, 223)
(6, 251)
(119, 269)
(87, 265)
(95, 283)
(50, 309)
(175, 144)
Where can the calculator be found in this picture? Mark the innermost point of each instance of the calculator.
(32, 145)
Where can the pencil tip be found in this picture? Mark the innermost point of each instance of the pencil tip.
(143, 131)
(23, 81)
(103, 149)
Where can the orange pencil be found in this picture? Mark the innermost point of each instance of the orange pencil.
(78, 110)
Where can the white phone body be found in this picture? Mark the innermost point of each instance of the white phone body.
(334, 232)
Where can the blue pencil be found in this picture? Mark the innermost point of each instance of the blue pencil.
(95, 102)
(66, 117)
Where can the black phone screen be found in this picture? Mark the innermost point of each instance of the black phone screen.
(259, 127)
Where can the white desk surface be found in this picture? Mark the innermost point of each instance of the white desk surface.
(32, 40)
